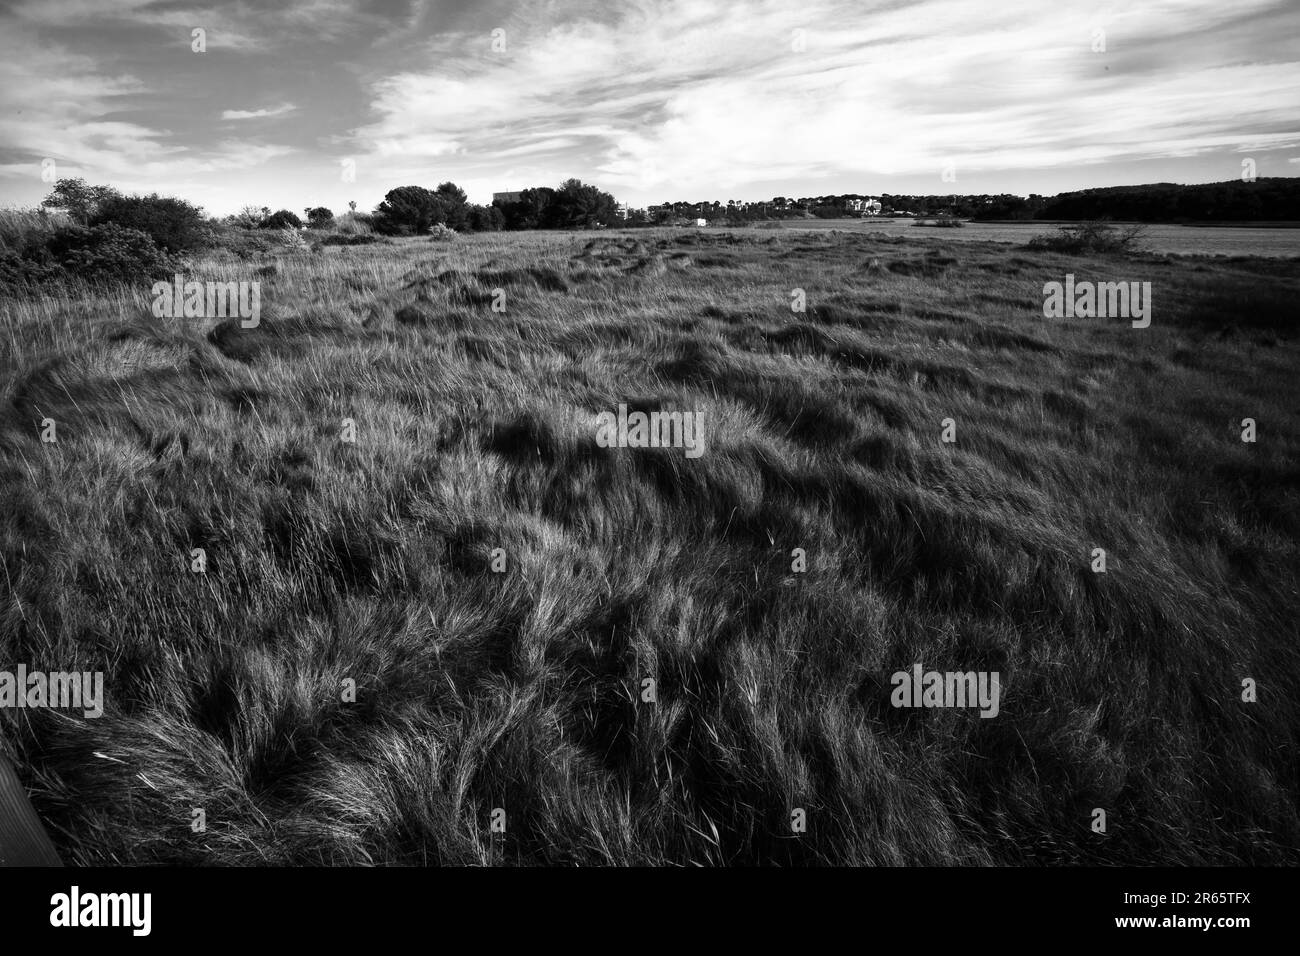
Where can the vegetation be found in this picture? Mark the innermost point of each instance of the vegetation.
(575, 205)
(283, 219)
(372, 561)
(1090, 237)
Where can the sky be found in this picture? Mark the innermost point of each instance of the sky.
(300, 103)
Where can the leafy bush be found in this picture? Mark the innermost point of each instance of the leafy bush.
(78, 198)
(246, 243)
(1090, 237)
(319, 217)
(440, 231)
(21, 274)
(250, 217)
(291, 240)
(173, 224)
(109, 252)
(282, 219)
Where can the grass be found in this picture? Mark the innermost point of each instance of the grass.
(371, 561)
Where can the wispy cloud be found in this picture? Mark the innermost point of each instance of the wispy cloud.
(654, 99)
(258, 114)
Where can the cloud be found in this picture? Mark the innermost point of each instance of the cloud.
(687, 95)
(258, 114)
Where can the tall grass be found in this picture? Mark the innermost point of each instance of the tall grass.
(372, 562)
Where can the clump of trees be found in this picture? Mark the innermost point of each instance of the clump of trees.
(415, 210)
(106, 236)
(173, 224)
(575, 205)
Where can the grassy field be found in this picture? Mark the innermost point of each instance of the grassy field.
(372, 561)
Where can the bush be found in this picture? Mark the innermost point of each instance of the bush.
(245, 243)
(439, 231)
(20, 274)
(353, 224)
(291, 240)
(319, 217)
(24, 231)
(283, 219)
(1090, 237)
(359, 239)
(174, 225)
(109, 253)
(250, 217)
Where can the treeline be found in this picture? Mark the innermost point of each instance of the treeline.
(413, 210)
(575, 205)
(1272, 199)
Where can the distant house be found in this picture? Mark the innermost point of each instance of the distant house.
(503, 198)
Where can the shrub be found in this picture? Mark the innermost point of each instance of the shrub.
(353, 224)
(109, 252)
(174, 225)
(439, 231)
(27, 230)
(1090, 237)
(245, 243)
(359, 239)
(282, 219)
(250, 217)
(21, 274)
(291, 240)
(319, 217)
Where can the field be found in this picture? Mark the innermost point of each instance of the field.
(519, 685)
(1263, 240)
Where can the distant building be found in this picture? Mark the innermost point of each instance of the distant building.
(506, 197)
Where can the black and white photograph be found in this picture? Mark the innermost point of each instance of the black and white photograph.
(441, 438)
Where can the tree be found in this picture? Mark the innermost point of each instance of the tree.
(581, 206)
(408, 209)
(174, 224)
(78, 197)
(532, 210)
(250, 217)
(281, 219)
(485, 218)
(319, 217)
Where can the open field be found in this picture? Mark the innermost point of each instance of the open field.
(371, 562)
(1271, 241)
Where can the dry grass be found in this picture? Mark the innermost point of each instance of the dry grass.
(521, 690)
